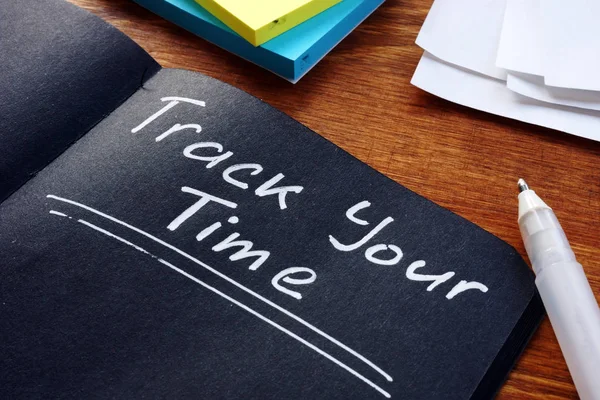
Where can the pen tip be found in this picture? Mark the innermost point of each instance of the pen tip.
(522, 185)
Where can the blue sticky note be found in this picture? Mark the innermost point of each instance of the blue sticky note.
(289, 55)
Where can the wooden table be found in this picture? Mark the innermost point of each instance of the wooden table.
(359, 97)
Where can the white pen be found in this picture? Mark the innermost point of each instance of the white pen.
(565, 291)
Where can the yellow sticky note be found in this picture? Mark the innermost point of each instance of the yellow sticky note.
(258, 21)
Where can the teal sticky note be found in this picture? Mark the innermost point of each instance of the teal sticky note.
(290, 55)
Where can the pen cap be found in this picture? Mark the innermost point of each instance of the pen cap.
(575, 318)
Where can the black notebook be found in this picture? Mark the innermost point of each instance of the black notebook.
(165, 235)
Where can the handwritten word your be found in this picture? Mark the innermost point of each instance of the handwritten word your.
(284, 280)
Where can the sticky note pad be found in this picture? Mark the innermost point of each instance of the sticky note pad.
(290, 55)
(258, 21)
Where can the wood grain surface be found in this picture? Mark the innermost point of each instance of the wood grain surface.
(359, 97)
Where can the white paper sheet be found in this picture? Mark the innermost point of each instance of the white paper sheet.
(491, 95)
(521, 45)
(533, 86)
(465, 33)
(572, 32)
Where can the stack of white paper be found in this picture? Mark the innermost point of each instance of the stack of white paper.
(536, 61)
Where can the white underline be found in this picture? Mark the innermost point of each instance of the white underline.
(57, 213)
(228, 279)
(237, 303)
(281, 328)
(107, 233)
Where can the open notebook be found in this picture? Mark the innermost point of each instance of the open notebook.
(165, 235)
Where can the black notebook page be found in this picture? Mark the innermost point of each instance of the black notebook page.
(63, 70)
(108, 293)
